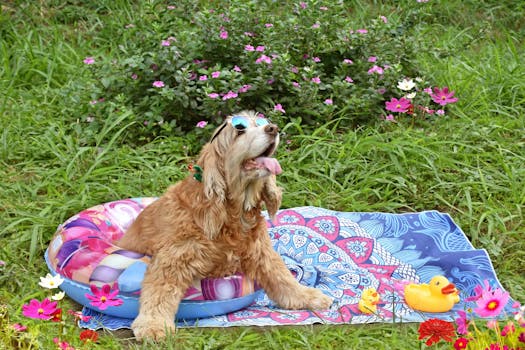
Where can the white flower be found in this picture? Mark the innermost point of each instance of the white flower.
(406, 84)
(58, 296)
(411, 95)
(51, 282)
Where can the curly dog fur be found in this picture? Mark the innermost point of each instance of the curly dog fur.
(215, 228)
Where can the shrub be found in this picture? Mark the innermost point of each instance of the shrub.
(302, 62)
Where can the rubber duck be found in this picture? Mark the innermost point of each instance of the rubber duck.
(438, 296)
(368, 302)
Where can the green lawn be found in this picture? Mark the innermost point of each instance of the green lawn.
(469, 163)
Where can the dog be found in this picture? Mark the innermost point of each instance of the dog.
(210, 225)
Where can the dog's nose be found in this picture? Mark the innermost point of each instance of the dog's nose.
(271, 129)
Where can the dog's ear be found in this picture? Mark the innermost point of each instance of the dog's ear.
(271, 195)
(214, 188)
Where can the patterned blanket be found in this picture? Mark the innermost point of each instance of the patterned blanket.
(343, 253)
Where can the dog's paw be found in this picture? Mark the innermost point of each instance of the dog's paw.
(151, 328)
(316, 300)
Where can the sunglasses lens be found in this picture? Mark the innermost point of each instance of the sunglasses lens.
(239, 123)
(261, 121)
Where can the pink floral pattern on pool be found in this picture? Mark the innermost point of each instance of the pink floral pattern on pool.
(83, 251)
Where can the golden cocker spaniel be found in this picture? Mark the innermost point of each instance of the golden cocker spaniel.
(210, 225)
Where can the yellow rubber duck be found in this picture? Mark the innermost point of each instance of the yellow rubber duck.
(438, 296)
(369, 300)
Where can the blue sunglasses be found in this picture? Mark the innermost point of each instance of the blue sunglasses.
(241, 123)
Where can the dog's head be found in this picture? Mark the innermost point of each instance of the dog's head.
(238, 169)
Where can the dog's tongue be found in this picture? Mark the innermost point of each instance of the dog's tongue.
(270, 163)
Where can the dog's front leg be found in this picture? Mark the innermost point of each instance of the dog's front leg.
(268, 269)
(169, 275)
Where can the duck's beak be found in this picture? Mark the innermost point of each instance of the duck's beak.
(449, 289)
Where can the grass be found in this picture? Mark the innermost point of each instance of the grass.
(469, 164)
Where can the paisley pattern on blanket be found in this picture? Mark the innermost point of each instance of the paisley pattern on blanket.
(342, 253)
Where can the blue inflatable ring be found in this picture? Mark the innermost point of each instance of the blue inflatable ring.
(83, 253)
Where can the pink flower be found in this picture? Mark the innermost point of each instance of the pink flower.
(348, 61)
(250, 34)
(171, 7)
(316, 59)
(323, 8)
(249, 48)
(244, 88)
(134, 76)
(296, 84)
(362, 31)
(104, 297)
(260, 48)
(223, 34)
(294, 70)
(44, 310)
(79, 316)
(62, 345)
(492, 324)
(237, 69)
(375, 69)
(213, 95)
(328, 101)
(490, 304)
(462, 323)
(279, 108)
(372, 59)
(443, 96)
(303, 5)
(89, 60)
(508, 329)
(428, 90)
(158, 84)
(165, 43)
(394, 105)
(390, 118)
(349, 80)
(19, 328)
(440, 112)
(316, 80)
(268, 25)
(202, 124)
(229, 95)
(316, 25)
(216, 74)
(203, 77)
(264, 59)
(479, 290)
(384, 19)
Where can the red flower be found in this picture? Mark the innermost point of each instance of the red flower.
(88, 335)
(461, 343)
(436, 329)
(57, 315)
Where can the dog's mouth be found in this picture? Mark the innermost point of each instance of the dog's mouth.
(264, 161)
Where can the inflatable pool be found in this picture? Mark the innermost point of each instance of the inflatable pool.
(83, 252)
